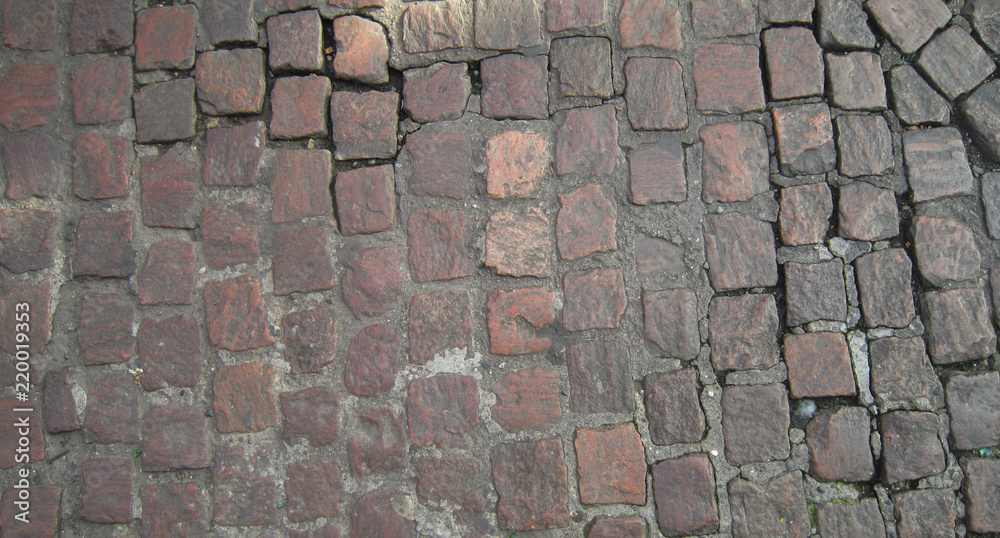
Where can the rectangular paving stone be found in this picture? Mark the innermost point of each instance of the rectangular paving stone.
(507, 24)
(33, 96)
(107, 490)
(298, 107)
(30, 24)
(169, 274)
(100, 25)
(909, 23)
(777, 508)
(867, 213)
(244, 487)
(180, 508)
(516, 163)
(170, 191)
(362, 50)
(742, 332)
(441, 161)
(314, 490)
(515, 86)
(794, 61)
(655, 95)
(593, 299)
(986, 21)
(295, 42)
(229, 21)
(600, 377)
(782, 11)
(510, 335)
(611, 465)
(366, 199)
(102, 91)
(587, 141)
(170, 352)
(528, 400)
(165, 111)
(518, 243)
(723, 18)
(235, 314)
(39, 299)
(373, 282)
(571, 14)
(379, 445)
(310, 338)
(439, 244)
(727, 79)
(740, 252)
(650, 23)
(914, 101)
(856, 81)
(974, 409)
(586, 223)
(954, 62)
(671, 322)
(233, 155)
(958, 325)
(617, 527)
(102, 166)
(819, 364)
(439, 321)
(312, 414)
(229, 234)
(946, 251)
(374, 515)
(441, 410)
(33, 167)
(735, 161)
(814, 292)
(884, 287)
(910, 446)
(438, 92)
(244, 399)
(104, 245)
(27, 240)
(851, 519)
(684, 492)
(530, 479)
(105, 329)
(805, 139)
(936, 163)
(165, 37)
(804, 213)
(230, 81)
(582, 66)
(656, 172)
(364, 124)
(672, 407)
(59, 413)
(901, 371)
(981, 483)
(301, 261)
(175, 437)
(301, 185)
(654, 256)
(755, 423)
(112, 413)
(925, 512)
(983, 118)
(864, 144)
(433, 26)
(843, 24)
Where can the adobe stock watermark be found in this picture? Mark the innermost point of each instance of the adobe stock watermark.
(22, 418)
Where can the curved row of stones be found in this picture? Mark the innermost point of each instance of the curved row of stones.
(534, 308)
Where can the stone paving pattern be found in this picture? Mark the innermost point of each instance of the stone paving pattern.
(486, 267)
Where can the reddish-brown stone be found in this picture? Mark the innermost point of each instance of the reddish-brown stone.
(314, 490)
(175, 437)
(864, 144)
(378, 444)
(301, 185)
(530, 479)
(107, 490)
(229, 236)
(298, 107)
(684, 492)
(102, 91)
(804, 139)
(244, 398)
(723, 18)
(26, 240)
(442, 162)
(438, 92)
(901, 371)
(33, 167)
(44, 517)
(170, 191)
(229, 21)
(245, 490)
(515, 86)
(373, 282)
(727, 78)
(10, 457)
(671, 322)
(866, 212)
(925, 512)
(654, 94)
(672, 407)
(439, 321)
(165, 111)
(593, 299)
(105, 330)
(805, 214)
(910, 446)
(755, 423)
(909, 24)
(742, 332)
(30, 25)
(777, 508)
(164, 37)
(516, 162)
(819, 364)
(510, 335)
(433, 26)
(946, 251)
(170, 352)
(371, 364)
(177, 509)
(231, 81)
(38, 297)
(655, 256)
(312, 414)
(856, 81)
(974, 410)
(295, 41)
(958, 325)
(301, 261)
(587, 141)
(740, 252)
(981, 484)
(442, 409)
(447, 482)
(33, 96)
(366, 199)
(884, 288)
(936, 163)
(102, 166)
(101, 26)
(364, 124)
(168, 276)
(838, 441)
(617, 527)
(375, 514)
(310, 338)
(611, 465)
(586, 223)
(439, 241)
(814, 292)
(657, 172)
(235, 314)
(519, 243)
(794, 63)
(582, 67)
(570, 14)
(528, 400)
(59, 414)
(362, 50)
(507, 24)
(233, 155)
(104, 245)
(735, 165)
(650, 23)
(600, 377)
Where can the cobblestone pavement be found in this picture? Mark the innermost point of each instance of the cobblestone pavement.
(500, 267)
